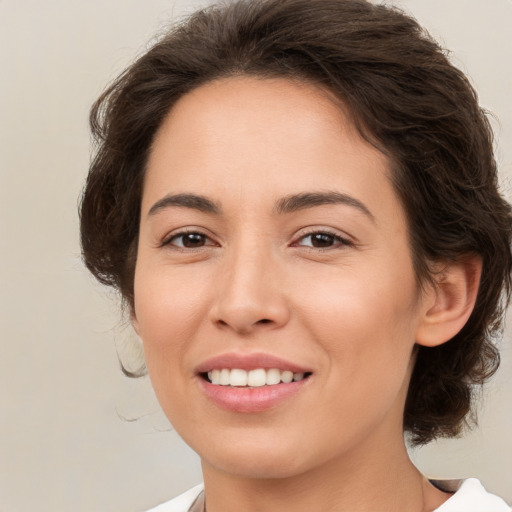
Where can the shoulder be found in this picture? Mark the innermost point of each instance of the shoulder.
(181, 503)
(469, 496)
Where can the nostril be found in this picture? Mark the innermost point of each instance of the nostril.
(264, 321)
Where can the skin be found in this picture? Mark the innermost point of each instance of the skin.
(350, 311)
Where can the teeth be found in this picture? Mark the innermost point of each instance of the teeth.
(287, 377)
(253, 378)
(273, 376)
(225, 378)
(237, 378)
(257, 378)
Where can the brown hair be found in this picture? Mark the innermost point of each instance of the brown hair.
(404, 96)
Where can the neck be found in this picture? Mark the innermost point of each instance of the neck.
(378, 477)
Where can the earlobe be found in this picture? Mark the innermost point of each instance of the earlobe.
(449, 302)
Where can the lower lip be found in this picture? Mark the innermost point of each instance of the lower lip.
(250, 399)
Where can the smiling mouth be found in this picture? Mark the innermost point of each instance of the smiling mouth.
(256, 378)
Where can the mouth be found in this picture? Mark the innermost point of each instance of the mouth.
(255, 378)
(251, 383)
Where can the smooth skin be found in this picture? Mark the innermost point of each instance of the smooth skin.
(327, 284)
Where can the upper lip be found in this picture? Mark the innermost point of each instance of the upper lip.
(249, 362)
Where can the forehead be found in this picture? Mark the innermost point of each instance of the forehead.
(225, 111)
(263, 138)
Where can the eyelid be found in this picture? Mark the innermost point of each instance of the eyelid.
(342, 238)
(166, 241)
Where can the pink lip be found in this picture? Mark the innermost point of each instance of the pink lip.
(248, 362)
(249, 400)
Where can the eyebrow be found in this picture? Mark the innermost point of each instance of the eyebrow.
(287, 204)
(196, 202)
(295, 202)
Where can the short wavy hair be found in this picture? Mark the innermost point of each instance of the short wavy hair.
(403, 95)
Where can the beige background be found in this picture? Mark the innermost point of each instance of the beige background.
(67, 439)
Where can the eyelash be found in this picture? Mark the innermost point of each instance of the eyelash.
(182, 234)
(337, 240)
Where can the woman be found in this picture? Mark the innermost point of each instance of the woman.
(298, 203)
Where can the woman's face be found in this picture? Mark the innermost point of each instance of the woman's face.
(272, 243)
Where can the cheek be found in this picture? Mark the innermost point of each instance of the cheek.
(366, 330)
(359, 298)
(365, 320)
(169, 308)
(167, 315)
(166, 299)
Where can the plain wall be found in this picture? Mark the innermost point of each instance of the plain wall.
(67, 439)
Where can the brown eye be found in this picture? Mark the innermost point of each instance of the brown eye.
(322, 240)
(189, 240)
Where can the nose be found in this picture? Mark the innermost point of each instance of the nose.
(251, 294)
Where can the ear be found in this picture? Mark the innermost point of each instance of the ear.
(449, 302)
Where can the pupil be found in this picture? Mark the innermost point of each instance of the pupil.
(193, 240)
(322, 240)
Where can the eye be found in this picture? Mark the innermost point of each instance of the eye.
(322, 240)
(189, 240)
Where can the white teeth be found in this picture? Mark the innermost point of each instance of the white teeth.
(225, 378)
(257, 378)
(253, 378)
(273, 376)
(215, 378)
(238, 378)
(287, 377)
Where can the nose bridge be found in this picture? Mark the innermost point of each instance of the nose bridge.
(250, 293)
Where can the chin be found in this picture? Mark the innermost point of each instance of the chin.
(264, 466)
(245, 452)
(259, 456)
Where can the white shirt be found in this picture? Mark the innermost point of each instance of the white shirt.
(470, 496)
